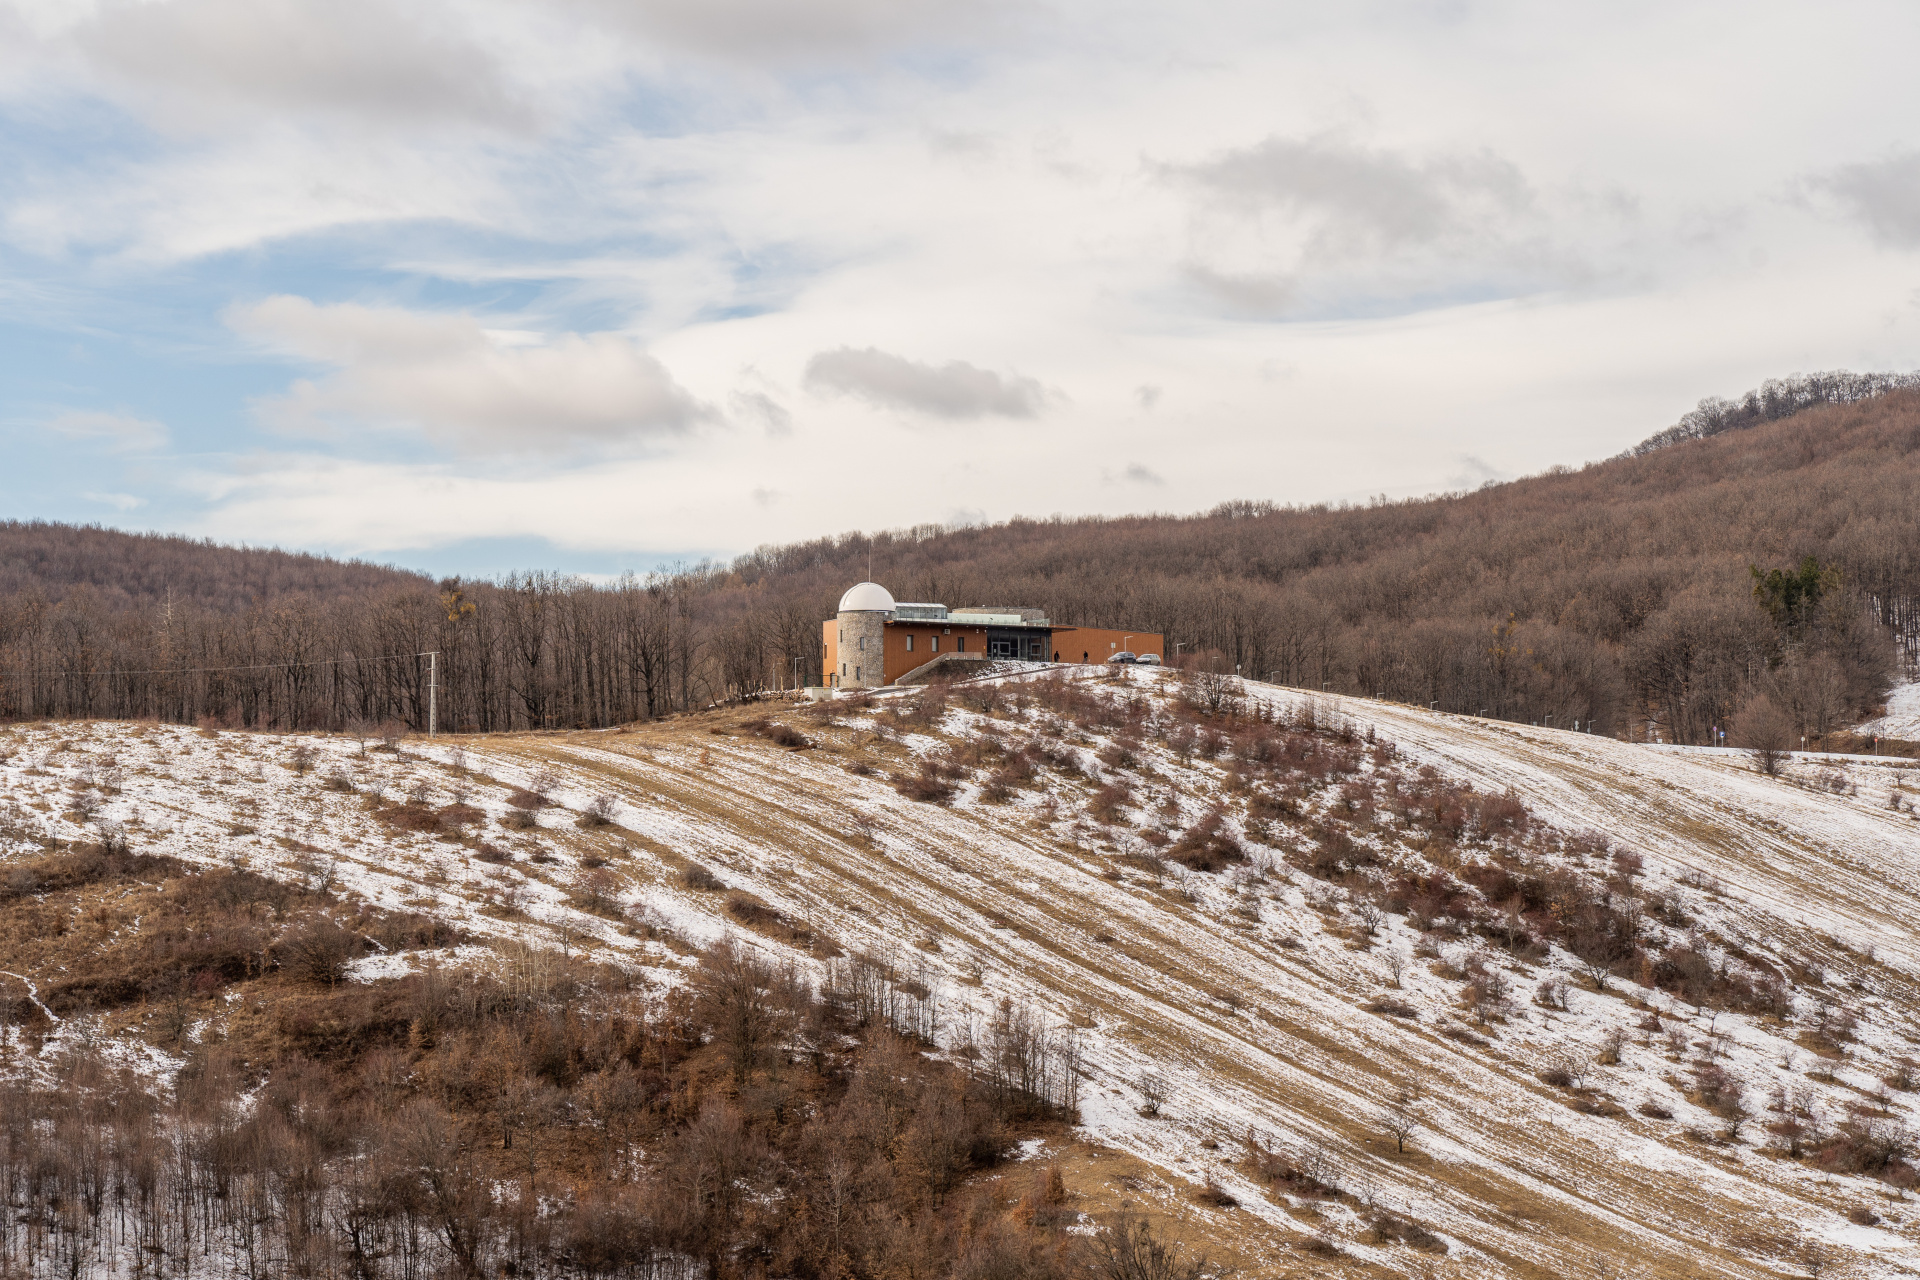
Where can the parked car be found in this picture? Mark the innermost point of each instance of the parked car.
(1148, 659)
(1125, 655)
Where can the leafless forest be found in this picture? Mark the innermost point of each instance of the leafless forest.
(551, 1121)
(1619, 596)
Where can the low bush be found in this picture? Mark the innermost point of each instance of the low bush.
(696, 876)
(409, 817)
(1718, 1090)
(1211, 1194)
(521, 798)
(926, 786)
(319, 951)
(1391, 1008)
(1388, 1228)
(1207, 845)
(599, 811)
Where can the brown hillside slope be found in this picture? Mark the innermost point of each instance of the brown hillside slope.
(47, 562)
(1728, 1093)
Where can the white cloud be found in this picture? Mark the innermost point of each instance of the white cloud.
(1325, 223)
(759, 407)
(118, 501)
(479, 390)
(1133, 473)
(198, 61)
(1884, 195)
(781, 31)
(119, 432)
(952, 390)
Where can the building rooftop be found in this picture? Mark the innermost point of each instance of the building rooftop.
(871, 597)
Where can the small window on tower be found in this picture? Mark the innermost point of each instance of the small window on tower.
(934, 647)
(909, 644)
(961, 644)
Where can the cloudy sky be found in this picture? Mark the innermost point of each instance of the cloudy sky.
(599, 284)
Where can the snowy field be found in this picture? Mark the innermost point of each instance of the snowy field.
(1903, 714)
(1241, 994)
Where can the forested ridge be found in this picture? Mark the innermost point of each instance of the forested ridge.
(46, 561)
(1620, 595)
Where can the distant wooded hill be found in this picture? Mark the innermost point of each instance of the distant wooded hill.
(1613, 595)
(128, 570)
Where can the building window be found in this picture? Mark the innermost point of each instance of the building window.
(936, 644)
(961, 644)
(856, 673)
(909, 644)
(946, 631)
(843, 668)
(863, 644)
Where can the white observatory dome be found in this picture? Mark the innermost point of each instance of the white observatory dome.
(866, 597)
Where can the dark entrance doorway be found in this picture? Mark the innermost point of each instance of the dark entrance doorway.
(1028, 644)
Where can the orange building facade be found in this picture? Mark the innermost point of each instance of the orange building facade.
(875, 642)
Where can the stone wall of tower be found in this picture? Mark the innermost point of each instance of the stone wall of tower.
(865, 663)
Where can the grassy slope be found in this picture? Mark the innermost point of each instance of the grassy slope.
(1188, 977)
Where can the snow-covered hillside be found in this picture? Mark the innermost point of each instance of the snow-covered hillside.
(1902, 719)
(1552, 1113)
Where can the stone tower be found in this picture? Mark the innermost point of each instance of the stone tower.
(861, 644)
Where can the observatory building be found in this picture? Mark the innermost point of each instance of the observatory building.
(873, 640)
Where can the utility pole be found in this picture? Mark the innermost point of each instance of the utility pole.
(433, 691)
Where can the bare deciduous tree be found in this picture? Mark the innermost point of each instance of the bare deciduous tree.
(1400, 1122)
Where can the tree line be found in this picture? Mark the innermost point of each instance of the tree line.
(1619, 596)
